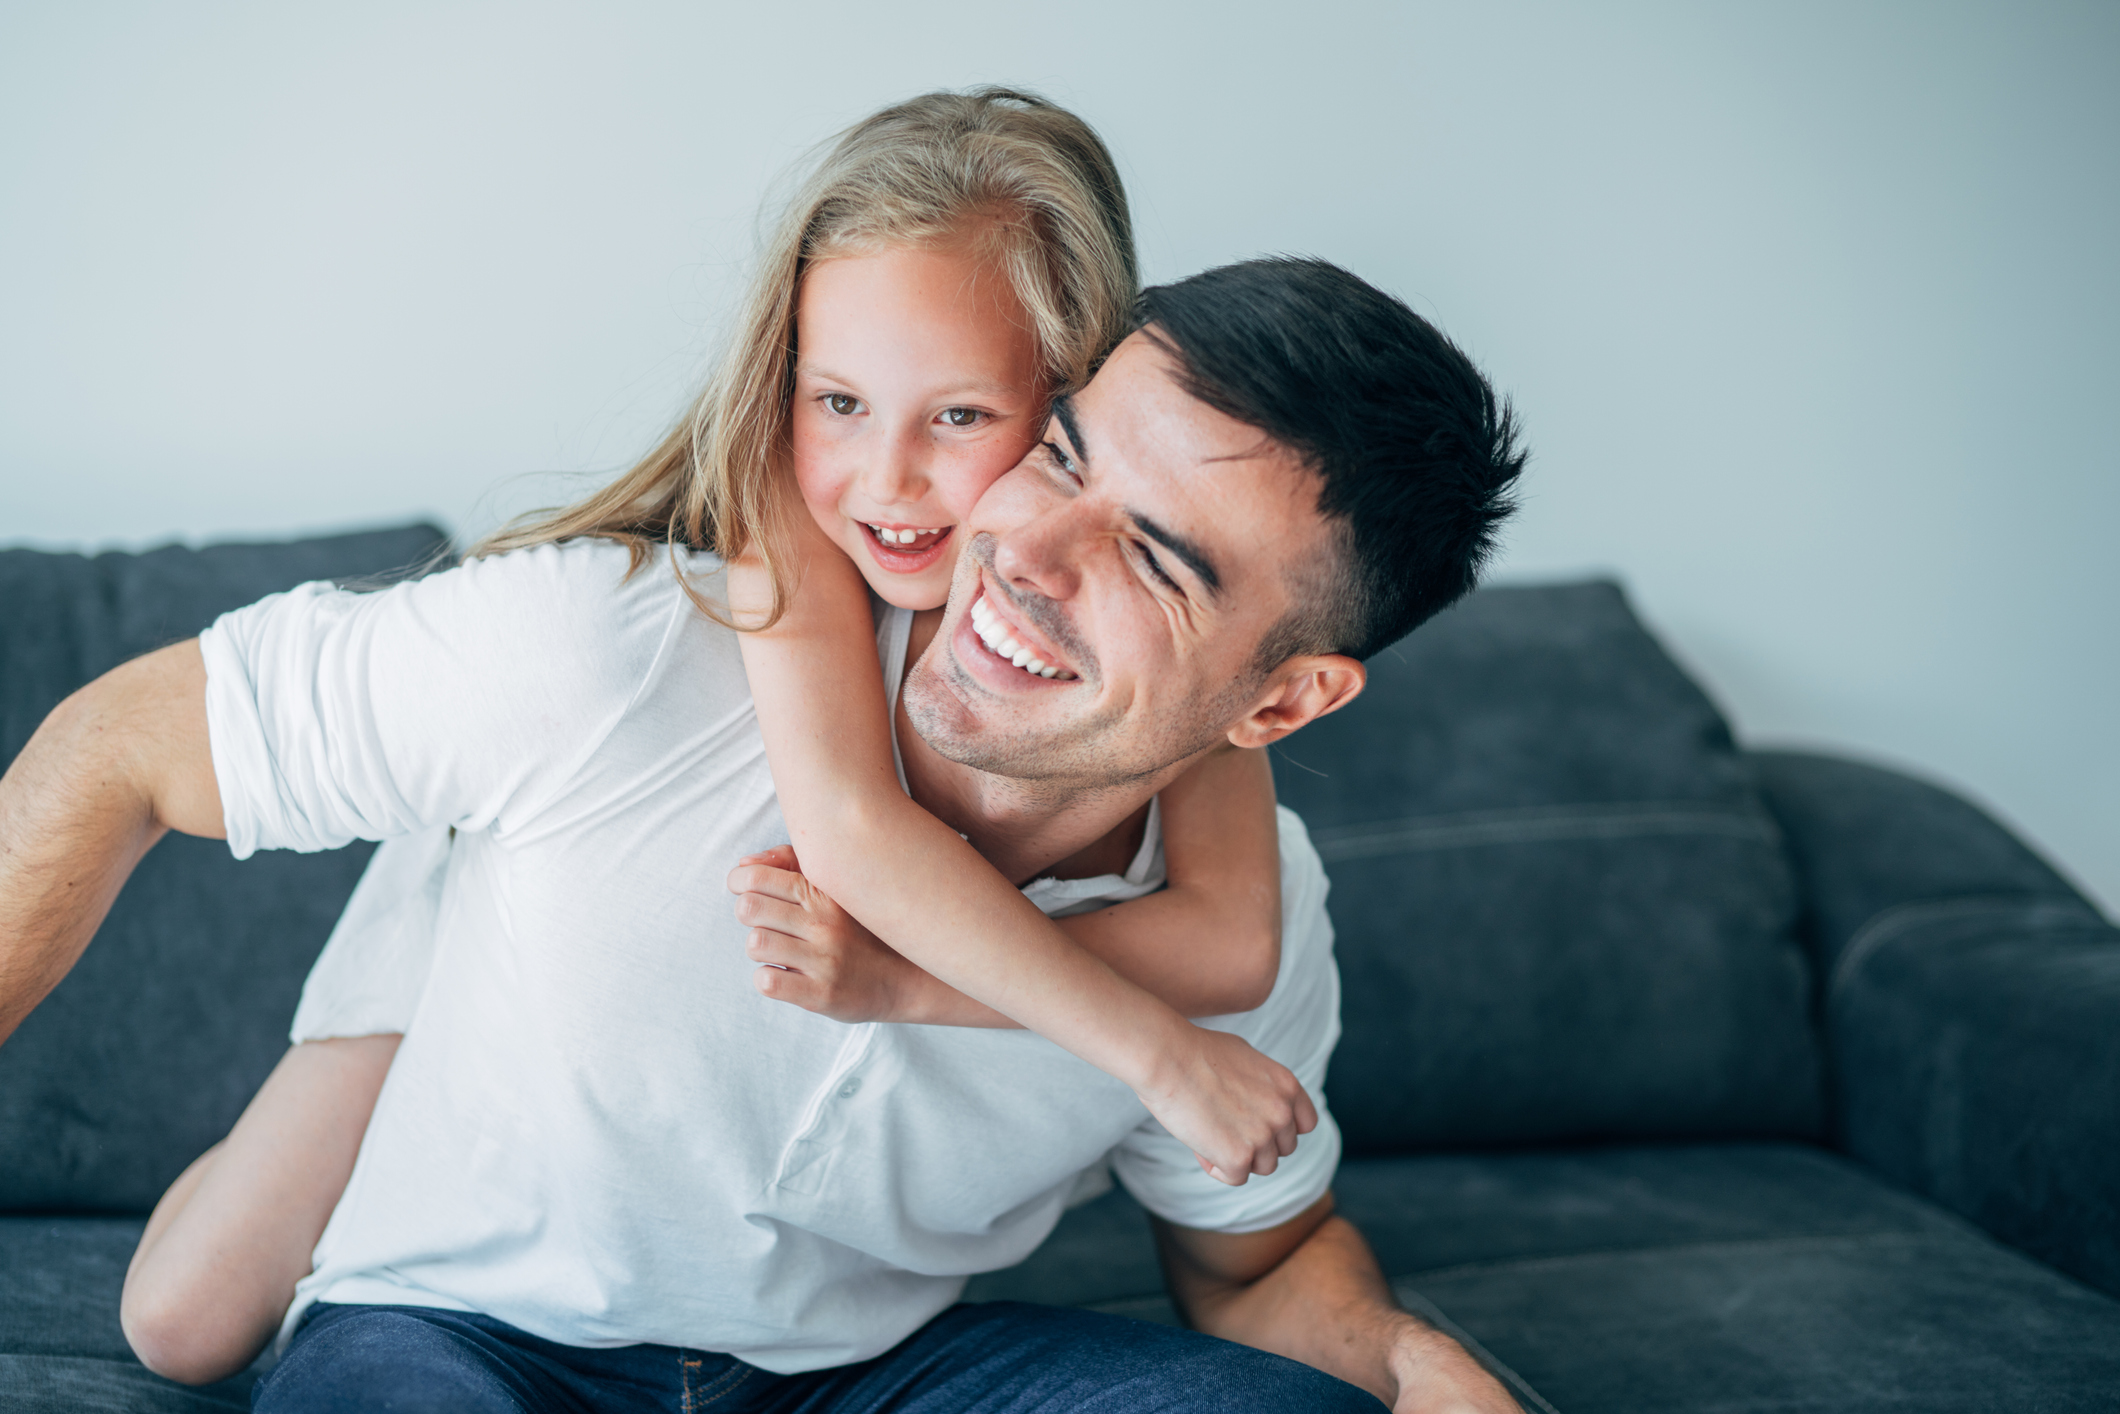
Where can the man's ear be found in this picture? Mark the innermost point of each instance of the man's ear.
(1300, 691)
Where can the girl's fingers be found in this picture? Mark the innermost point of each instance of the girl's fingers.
(780, 949)
(790, 987)
(774, 949)
(782, 884)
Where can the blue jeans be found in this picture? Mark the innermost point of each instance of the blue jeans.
(996, 1358)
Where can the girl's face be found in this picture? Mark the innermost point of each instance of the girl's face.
(916, 387)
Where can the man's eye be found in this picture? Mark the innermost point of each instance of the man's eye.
(962, 417)
(1155, 567)
(842, 404)
(1061, 460)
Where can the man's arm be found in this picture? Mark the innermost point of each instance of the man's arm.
(1311, 1289)
(112, 769)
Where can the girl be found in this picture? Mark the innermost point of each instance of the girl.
(954, 263)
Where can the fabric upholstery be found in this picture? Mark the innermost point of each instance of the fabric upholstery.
(149, 1049)
(1977, 1063)
(1864, 839)
(60, 1345)
(1562, 911)
(1720, 1277)
(1972, 997)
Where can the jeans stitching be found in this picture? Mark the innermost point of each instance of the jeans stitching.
(741, 1375)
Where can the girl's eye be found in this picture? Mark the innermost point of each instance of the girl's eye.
(961, 417)
(842, 404)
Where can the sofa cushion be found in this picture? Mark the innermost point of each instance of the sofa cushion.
(149, 1049)
(1975, 1058)
(61, 1349)
(1865, 840)
(1562, 911)
(1783, 1282)
(1755, 1277)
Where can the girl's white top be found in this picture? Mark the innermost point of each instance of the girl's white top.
(596, 1130)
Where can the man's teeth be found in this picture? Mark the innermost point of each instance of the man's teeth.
(901, 537)
(987, 624)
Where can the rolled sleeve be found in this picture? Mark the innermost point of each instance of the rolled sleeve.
(244, 649)
(454, 700)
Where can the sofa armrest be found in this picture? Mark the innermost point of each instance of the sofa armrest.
(1972, 1003)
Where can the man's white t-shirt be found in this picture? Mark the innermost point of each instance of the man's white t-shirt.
(596, 1130)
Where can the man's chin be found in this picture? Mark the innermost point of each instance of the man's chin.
(964, 723)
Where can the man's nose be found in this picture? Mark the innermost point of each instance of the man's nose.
(895, 472)
(1044, 553)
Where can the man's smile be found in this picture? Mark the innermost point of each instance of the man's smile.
(996, 646)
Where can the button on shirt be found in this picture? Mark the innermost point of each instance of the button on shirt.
(596, 1130)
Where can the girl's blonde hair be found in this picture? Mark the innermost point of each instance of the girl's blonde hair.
(1033, 178)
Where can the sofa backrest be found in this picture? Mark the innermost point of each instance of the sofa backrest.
(1562, 911)
(150, 1048)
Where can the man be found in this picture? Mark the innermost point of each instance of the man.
(604, 1173)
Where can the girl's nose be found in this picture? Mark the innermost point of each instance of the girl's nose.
(896, 473)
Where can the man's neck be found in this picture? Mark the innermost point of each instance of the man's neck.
(1025, 829)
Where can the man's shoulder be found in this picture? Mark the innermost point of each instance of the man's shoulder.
(584, 602)
(1302, 1011)
(1305, 925)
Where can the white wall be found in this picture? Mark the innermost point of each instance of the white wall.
(1809, 308)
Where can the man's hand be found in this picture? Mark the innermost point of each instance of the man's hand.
(1310, 1289)
(111, 769)
(813, 953)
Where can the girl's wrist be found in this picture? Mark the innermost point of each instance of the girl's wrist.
(1157, 1055)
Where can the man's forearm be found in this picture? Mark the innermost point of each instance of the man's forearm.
(89, 795)
(1327, 1304)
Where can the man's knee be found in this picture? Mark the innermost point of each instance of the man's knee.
(355, 1359)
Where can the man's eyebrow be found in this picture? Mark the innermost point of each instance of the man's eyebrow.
(1184, 549)
(1064, 409)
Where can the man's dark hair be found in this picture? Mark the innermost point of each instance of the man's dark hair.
(1415, 454)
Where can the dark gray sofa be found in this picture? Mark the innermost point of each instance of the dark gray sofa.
(1675, 1077)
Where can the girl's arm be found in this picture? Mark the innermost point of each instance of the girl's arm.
(1208, 943)
(914, 883)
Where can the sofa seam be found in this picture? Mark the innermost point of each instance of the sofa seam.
(1887, 924)
(1730, 1245)
(1431, 1311)
(1418, 833)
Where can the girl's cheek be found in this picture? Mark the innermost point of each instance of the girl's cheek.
(816, 480)
(970, 477)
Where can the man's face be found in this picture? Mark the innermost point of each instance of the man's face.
(1138, 556)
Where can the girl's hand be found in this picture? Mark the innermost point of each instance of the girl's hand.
(1237, 1110)
(811, 951)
